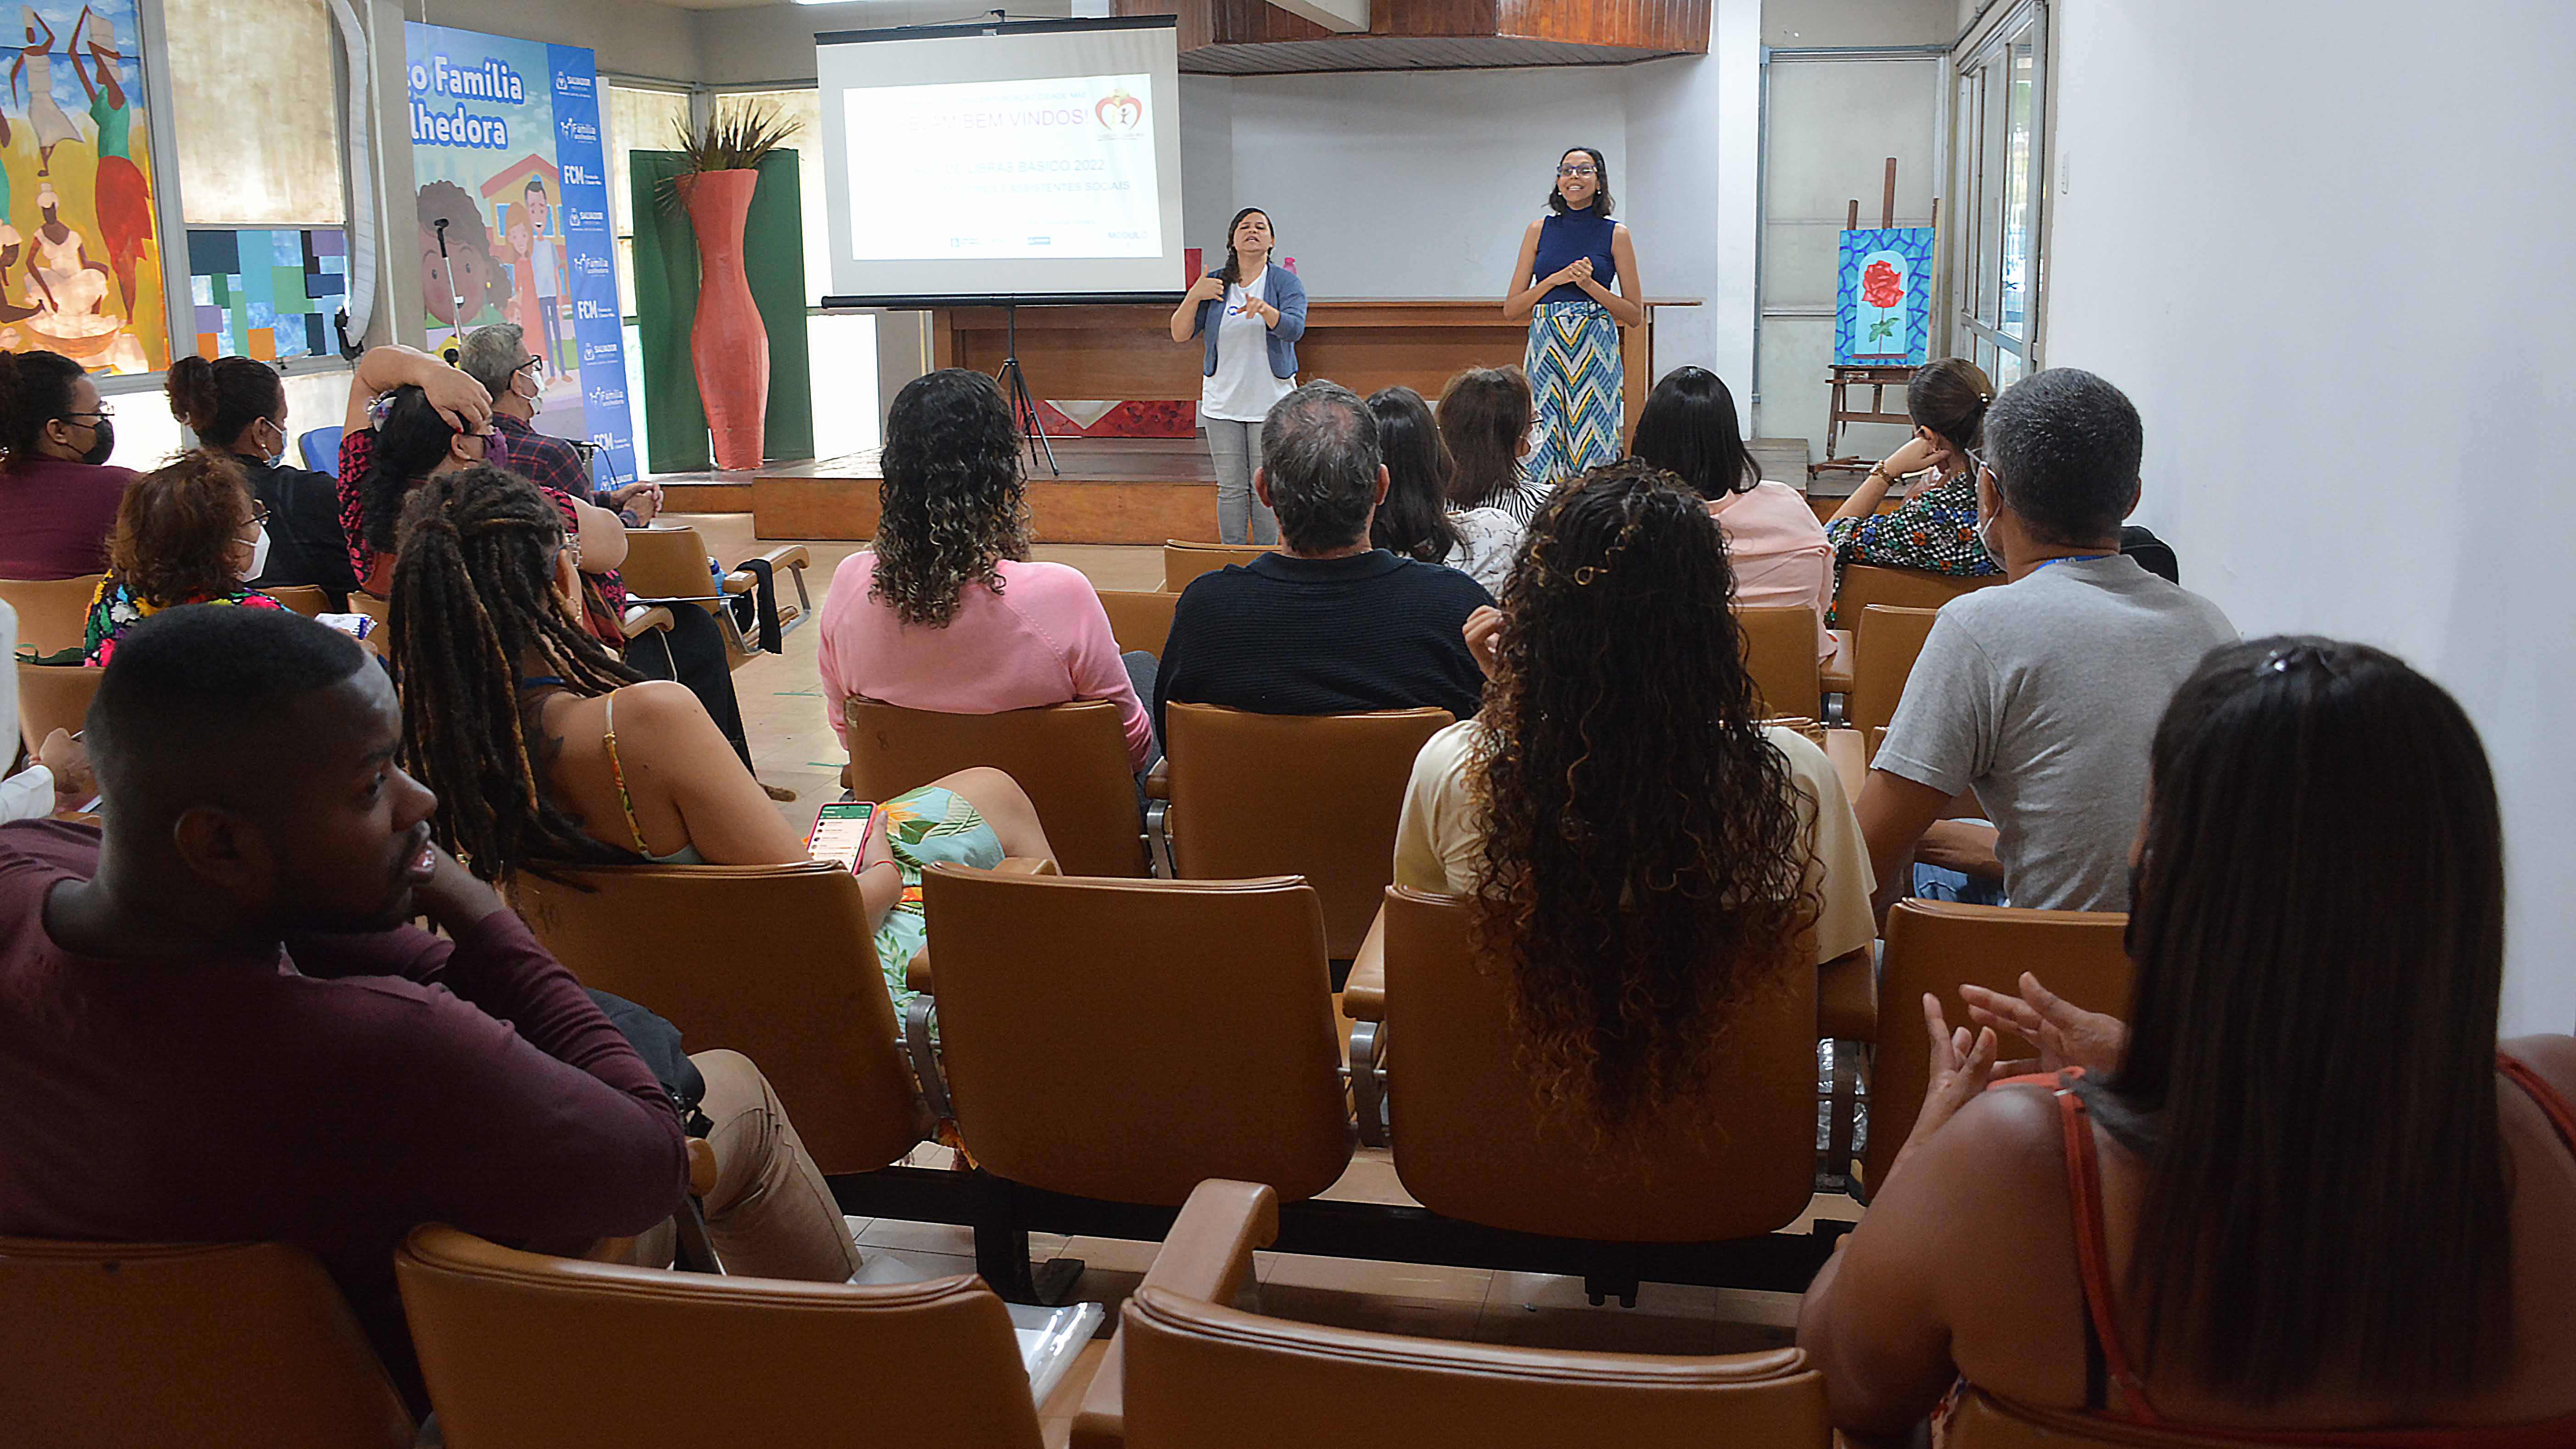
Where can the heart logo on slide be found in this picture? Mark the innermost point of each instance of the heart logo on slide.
(1119, 111)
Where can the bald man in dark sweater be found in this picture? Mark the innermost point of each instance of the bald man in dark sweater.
(1326, 625)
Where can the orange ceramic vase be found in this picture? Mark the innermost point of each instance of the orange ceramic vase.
(728, 348)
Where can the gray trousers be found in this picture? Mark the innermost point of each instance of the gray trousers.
(1240, 518)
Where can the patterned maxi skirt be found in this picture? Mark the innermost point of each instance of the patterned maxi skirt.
(1576, 381)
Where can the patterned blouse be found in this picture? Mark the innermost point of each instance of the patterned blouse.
(1935, 530)
(112, 611)
(1489, 543)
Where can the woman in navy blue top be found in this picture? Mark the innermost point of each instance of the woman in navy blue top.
(1251, 314)
(1569, 263)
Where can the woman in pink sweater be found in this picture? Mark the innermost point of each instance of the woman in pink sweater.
(946, 613)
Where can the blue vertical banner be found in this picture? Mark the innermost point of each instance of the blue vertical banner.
(599, 336)
(512, 203)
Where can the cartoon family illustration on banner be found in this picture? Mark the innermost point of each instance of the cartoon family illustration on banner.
(80, 268)
(511, 195)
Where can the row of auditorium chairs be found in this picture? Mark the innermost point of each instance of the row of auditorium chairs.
(226, 1347)
(1780, 642)
(1122, 1039)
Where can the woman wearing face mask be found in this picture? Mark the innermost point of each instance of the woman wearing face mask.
(238, 405)
(428, 421)
(1569, 263)
(1252, 314)
(1936, 529)
(188, 533)
(58, 499)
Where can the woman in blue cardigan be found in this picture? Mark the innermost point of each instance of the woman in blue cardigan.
(1252, 314)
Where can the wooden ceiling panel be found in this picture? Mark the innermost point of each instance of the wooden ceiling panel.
(1254, 37)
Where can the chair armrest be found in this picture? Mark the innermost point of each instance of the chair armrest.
(740, 583)
(645, 619)
(916, 972)
(1847, 996)
(1207, 1256)
(1850, 756)
(1026, 865)
(789, 556)
(1364, 993)
(1158, 780)
(1836, 674)
(676, 599)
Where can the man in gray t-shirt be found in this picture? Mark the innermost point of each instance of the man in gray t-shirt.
(2044, 694)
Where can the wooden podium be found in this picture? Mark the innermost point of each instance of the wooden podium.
(1127, 352)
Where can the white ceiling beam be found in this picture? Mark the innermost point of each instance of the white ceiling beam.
(1350, 17)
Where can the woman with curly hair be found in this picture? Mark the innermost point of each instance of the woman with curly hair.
(543, 747)
(189, 532)
(1640, 849)
(946, 612)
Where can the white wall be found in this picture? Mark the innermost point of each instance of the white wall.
(1412, 184)
(2328, 274)
(1694, 126)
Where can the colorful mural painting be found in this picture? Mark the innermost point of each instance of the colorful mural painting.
(80, 267)
(267, 294)
(1883, 300)
(512, 204)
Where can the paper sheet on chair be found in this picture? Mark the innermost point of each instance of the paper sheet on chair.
(1049, 1340)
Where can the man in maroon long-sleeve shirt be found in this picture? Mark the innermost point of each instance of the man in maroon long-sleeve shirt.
(214, 1025)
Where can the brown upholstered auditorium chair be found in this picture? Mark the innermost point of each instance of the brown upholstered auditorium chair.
(52, 697)
(1473, 1142)
(1124, 1040)
(669, 564)
(1311, 795)
(1139, 618)
(1867, 584)
(773, 961)
(1939, 946)
(1183, 562)
(1189, 1370)
(1780, 654)
(208, 1345)
(1884, 646)
(53, 614)
(1070, 758)
(523, 1350)
(305, 599)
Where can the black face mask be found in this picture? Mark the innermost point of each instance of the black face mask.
(103, 445)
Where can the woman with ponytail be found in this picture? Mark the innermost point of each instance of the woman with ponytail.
(237, 405)
(58, 496)
(544, 748)
(1936, 529)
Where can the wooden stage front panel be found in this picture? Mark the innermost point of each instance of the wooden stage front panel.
(1127, 352)
(1124, 490)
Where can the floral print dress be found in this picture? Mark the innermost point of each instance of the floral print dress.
(113, 610)
(923, 828)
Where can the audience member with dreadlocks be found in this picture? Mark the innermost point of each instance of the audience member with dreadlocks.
(1641, 850)
(544, 747)
(946, 612)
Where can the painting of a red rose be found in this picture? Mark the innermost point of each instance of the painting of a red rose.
(1879, 286)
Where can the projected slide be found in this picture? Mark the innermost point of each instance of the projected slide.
(1004, 170)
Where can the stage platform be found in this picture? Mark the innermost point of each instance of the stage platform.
(1111, 490)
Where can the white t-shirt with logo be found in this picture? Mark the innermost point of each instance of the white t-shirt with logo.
(1241, 389)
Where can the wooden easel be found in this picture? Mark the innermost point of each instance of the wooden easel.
(1843, 378)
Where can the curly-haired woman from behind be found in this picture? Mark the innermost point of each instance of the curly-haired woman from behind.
(946, 613)
(544, 747)
(1640, 848)
(2303, 1195)
(189, 532)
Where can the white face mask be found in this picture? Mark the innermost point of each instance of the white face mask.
(258, 556)
(535, 395)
